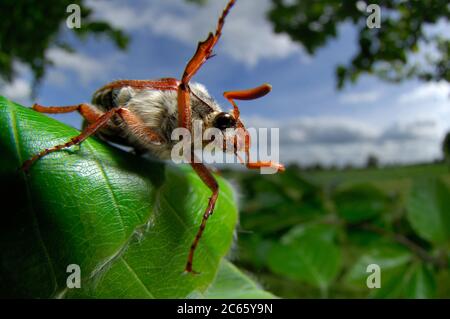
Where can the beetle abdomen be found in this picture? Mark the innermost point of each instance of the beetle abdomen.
(106, 98)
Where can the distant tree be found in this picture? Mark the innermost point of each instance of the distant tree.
(199, 2)
(386, 51)
(294, 167)
(348, 167)
(372, 161)
(333, 167)
(446, 147)
(29, 28)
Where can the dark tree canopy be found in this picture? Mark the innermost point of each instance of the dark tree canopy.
(386, 51)
(372, 161)
(29, 28)
(446, 147)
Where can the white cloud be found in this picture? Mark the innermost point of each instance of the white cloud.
(19, 90)
(88, 69)
(326, 130)
(357, 153)
(360, 97)
(432, 91)
(421, 129)
(247, 36)
(340, 141)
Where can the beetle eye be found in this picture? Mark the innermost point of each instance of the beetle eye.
(223, 121)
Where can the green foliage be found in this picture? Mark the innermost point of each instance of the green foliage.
(387, 51)
(279, 193)
(126, 221)
(401, 276)
(29, 29)
(429, 210)
(372, 161)
(114, 214)
(391, 217)
(307, 254)
(198, 2)
(360, 202)
(446, 147)
(231, 283)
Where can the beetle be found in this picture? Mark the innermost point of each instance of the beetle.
(143, 113)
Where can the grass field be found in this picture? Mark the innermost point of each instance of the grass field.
(390, 178)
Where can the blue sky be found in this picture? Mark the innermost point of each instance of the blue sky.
(399, 123)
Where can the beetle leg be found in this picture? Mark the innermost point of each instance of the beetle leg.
(249, 94)
(87, 111)
(258, 164)
(164, 84)
(97, 121)
(184, 107)
(203, 53)
(211, 182)
(204, 48)
(88, 131)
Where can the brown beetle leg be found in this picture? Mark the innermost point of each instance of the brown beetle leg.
(211, 182)
(88, 112)
(203, 53)
(97, 121)
(88, 131)
(258, 164)
(249, 94)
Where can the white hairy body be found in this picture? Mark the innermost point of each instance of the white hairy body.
(157, 109)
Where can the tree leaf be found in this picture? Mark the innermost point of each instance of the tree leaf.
(126, 221)
(360, 202)
(308, 257)
(421, 284)
(386, 256)
(325, 232)
(428, 210)
(393, 261)
(390, 59)
(231, 283)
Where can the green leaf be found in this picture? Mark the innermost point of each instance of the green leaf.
(386, 256)
(443, 280)
(276, 202)
(309, 256)
(325, 232)
(428, 210)
(126, 221)
(231, 283)
(253, 250)
(393, 261)
(360, 202)
(421, 283)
